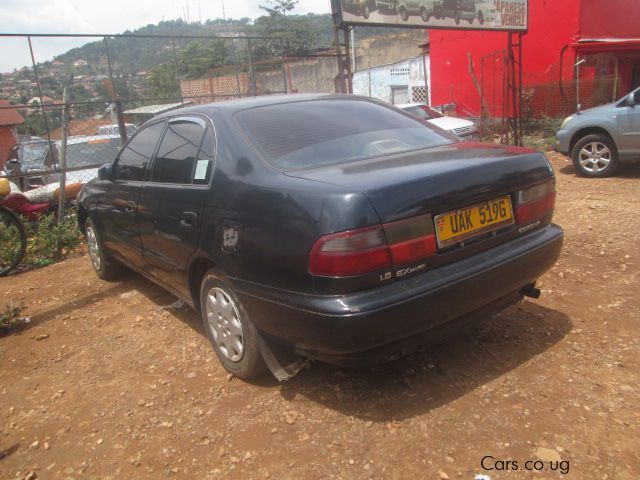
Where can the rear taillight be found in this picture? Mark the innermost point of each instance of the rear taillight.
(350, 253)
(536, 201)
(365, 250)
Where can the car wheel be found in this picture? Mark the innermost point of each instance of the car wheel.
(595, 156)
(232, 335)
(425, 14)
(403, 14)
(480, 18)
(106, 267)
(366, 11)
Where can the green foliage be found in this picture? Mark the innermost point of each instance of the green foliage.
(34, 123)
(279, 7)
(163, 82)
(197, 58)
(296, 31)
(10, 317)
(52, 241)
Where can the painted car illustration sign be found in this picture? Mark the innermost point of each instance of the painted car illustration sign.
(510, 15)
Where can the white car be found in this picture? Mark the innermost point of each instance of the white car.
(85, 154)
(458, 126)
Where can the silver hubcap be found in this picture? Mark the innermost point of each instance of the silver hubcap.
(595, 157)
(94, 250)
(224, 323)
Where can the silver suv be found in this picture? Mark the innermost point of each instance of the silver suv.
(600, 139)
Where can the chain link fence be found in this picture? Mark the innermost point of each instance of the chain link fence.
(113, 84)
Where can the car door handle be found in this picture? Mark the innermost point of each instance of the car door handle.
(130, 207)
(188, 219)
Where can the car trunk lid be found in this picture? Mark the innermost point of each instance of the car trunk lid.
(436, 180)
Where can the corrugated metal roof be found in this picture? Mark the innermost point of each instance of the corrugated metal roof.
(155, 109)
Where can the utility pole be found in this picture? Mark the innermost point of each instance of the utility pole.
(224, 13)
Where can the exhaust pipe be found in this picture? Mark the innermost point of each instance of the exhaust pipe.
(530, 291)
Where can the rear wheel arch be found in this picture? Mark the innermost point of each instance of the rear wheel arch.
(199, 267)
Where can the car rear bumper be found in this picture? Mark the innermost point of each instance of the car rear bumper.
(384, 323)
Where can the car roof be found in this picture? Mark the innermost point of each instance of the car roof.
(230, 107)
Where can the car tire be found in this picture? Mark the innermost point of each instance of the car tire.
(480, 18)
(231, 333)
(403, 14)
(595, 156)
(104, 265)
(424, 14)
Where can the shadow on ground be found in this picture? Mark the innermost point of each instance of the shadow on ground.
(112, 292)
(408, 387)
(626, 171)
(436, 376)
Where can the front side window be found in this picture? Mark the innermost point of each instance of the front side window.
(178, 153)
(135, 157)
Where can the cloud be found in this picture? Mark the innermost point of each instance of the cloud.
(112, 16)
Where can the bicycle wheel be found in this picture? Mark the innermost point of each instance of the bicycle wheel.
(13, 241)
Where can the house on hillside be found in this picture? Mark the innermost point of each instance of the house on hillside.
(601, 36)
(9, 120)
(39, 101)
(80, 63)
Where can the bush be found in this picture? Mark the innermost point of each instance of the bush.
(51, 241)
(10, 317)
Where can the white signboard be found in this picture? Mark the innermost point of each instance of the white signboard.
(508, 15)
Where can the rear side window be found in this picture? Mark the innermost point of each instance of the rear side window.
(178, 153)
(311, 134)
(204, 165)
(134, 159)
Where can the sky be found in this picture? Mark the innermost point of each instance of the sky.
(107, 16)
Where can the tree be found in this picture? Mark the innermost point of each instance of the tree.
(198, 58)
(164, 83)
(296, 31)
(279, 7)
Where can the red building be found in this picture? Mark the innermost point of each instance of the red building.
(604, 34)
(9, 120)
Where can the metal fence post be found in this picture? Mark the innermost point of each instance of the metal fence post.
(44, 111)
(252, 71)
(63, 153)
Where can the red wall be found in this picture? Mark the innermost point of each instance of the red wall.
(610, 19)
(552, 24)
(7, 140)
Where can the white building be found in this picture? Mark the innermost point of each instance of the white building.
(396, 83)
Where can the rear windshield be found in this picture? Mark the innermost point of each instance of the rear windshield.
(314, 133)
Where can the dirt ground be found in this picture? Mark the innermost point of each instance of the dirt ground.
(105, 383)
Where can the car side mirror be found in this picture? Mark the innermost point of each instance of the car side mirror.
(105, 172)
(630, 101)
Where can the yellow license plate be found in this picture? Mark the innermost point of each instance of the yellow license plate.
(459, 225)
